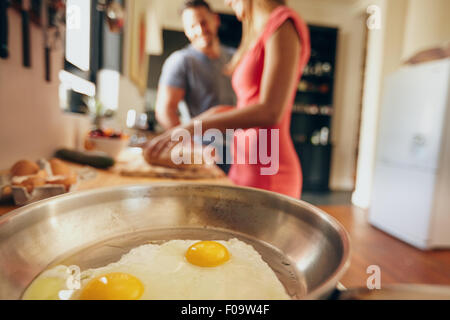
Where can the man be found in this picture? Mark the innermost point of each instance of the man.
(195, 74)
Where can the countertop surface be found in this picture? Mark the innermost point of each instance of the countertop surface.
(110, 178)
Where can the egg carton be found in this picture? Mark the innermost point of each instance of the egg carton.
(20, 194)
(5, 187)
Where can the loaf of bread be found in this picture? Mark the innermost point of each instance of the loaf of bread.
(165, 158)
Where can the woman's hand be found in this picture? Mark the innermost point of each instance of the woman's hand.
(156, 146)
(163, 142)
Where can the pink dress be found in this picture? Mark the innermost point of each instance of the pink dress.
(247, 84)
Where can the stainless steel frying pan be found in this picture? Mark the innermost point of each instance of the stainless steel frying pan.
(308, 250)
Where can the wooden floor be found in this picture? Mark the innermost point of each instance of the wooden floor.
(398, 261)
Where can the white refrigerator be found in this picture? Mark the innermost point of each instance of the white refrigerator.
(411, 191)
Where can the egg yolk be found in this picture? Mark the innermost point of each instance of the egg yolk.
(207, 254)
(113, 286)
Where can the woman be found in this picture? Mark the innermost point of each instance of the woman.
(266, 69)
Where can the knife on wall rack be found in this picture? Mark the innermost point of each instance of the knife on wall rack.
(26, 58)
(4, 52)
(47, 48)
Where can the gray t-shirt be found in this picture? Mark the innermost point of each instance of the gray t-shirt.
(202, 78)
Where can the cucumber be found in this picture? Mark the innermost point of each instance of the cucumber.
(93, 159)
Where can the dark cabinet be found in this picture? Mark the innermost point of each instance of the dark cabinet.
(313, 110)
(315, 162)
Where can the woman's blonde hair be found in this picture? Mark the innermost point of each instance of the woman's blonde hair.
(248, 32)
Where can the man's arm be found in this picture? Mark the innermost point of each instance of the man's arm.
(167, 100)
(171, 90)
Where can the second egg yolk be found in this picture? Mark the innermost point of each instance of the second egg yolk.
(113, 286)
(207, 254)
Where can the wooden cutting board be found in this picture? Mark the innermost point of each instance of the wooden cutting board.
(133, 164)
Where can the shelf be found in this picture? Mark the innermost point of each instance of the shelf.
(306, 116)
(314, 94)
(310, 145)
(326, 78)
(311, 114)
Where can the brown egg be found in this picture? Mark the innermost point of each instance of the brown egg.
(31, 183)
(42, 174)
(88, 144)
(24, 168)
(59, 168)
(7, 191)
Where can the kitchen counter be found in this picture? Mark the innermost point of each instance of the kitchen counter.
(109, 178)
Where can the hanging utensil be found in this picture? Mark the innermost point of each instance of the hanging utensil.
(26, 33)
(4, 52)
(114, 14)
(53, 15)
(45, 29)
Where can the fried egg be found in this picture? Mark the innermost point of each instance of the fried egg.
(177, 269)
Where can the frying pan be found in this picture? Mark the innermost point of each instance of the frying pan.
(308, 250)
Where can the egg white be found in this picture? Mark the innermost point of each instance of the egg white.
(166, 274)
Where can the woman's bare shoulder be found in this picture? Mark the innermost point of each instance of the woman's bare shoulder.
(286, 36)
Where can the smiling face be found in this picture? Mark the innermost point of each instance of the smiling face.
(238, 8)
(200, 26)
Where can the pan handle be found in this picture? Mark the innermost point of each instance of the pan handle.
(395, 292)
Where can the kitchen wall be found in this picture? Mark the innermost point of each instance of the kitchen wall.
(384, 50)
(31, 122)
(428, 25)
(129, 95)
(408, 26)
(168, 11)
